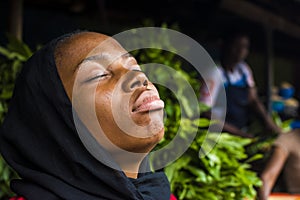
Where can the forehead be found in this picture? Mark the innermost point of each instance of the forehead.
(108, 47)
(105, 53)
(71, 53)
(241, 39)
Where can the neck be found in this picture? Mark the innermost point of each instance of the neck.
(229, 64)
(129, 162)
(133, 175)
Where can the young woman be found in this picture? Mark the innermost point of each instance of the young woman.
(81, 121)
(241, 96)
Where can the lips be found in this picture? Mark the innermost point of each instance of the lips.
(147, 101)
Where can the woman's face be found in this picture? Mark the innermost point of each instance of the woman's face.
(110, 93)
(239, 49)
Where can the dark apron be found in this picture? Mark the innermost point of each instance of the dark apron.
(237, 104)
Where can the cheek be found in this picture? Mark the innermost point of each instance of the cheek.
(103, 107)
(84, 104)
(245, 52)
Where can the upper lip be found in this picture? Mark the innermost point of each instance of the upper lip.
(144, 97)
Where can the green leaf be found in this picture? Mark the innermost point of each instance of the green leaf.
(19, 47)
(255, 157)
(6, 94)
(4, 51)
(199, 173)
(5, 174)
(201, 122)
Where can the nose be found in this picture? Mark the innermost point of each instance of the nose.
(134, 80)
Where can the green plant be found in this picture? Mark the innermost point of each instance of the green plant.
(264, 142)
(6, 175)
(11, 60)
(284, 125)
(13, 55)
(223, 172)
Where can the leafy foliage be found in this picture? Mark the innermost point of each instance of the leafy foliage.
(6, 174)
(13, 55)
(221, 174)
(264, 142)
(11, 61)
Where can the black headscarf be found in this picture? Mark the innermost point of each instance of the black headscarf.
(39, 140)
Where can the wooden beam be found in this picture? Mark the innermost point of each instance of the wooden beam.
(255, 13)
(16, 18)
(269, 70)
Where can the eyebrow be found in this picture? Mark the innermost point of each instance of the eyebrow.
(127, 55)
(100, 57)
(93, 58)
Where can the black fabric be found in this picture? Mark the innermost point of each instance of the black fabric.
(39, 140)
(237, 104)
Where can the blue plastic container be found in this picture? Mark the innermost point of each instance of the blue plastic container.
(295, 124)
(278, 106)
(286, 93)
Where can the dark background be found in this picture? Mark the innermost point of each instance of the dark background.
(206, 21)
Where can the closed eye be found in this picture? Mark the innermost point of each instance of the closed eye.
(136, 70)
(97, 77)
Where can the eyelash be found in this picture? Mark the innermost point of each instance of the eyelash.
(137, 70)
(97, 77)
(106, 74)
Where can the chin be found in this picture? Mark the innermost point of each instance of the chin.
(156, 128)
(149, 143)
(155, 132)
(160, 135)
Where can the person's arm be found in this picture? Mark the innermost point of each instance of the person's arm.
(226, 127)
(236, 131)
(260, 109)
(271, 172)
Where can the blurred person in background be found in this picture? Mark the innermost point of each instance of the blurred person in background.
(241, 94)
